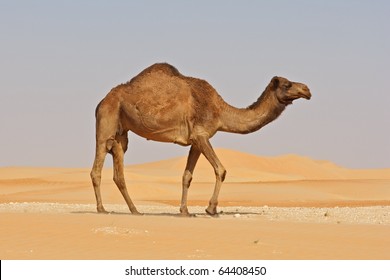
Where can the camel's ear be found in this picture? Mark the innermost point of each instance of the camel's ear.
(275, 82)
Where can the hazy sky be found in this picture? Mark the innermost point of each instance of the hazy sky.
(58, 59)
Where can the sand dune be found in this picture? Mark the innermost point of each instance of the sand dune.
(332, 212)
(244, 167)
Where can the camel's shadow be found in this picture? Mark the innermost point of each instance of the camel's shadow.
(176, 215)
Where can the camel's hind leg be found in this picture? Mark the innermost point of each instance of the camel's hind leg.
(118, 149)
(96, 173)
(106, 129)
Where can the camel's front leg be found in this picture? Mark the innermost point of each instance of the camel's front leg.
(220, 172)
(192, 159)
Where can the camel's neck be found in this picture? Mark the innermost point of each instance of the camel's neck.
(266, 109)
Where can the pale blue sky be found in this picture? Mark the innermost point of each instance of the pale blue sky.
(58, 59)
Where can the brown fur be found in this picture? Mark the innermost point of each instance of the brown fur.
(163, 105)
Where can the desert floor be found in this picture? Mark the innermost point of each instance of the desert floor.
(286, 207)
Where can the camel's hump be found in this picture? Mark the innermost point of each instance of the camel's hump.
(165, 68)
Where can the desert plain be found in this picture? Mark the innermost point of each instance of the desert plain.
(286, 207)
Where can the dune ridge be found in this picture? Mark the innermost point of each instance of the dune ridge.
(243, 167)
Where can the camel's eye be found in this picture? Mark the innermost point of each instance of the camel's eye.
(287, 86)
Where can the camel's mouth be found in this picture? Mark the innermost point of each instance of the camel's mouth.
(306, 95)
(302, 94)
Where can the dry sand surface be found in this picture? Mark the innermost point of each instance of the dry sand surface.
(286, 207)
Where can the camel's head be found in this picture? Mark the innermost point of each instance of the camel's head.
(287, 91)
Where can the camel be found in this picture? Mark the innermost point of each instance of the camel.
(163, 105)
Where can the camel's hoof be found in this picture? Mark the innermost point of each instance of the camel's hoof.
(186, 215)
(136, 213)
(184, 212)
(212, 212)
(102, 211)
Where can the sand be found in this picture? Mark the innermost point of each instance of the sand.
(287, 207)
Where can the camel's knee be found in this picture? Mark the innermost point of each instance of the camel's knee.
(187, 178)
(95, 176)
(220, 173)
